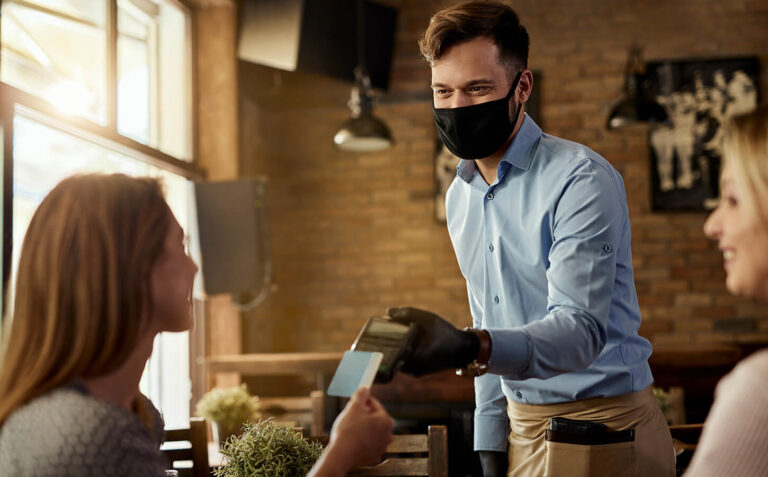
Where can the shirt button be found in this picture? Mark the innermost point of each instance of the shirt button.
(490, 247)
(519, 394)
(489, 196)
(496, 299)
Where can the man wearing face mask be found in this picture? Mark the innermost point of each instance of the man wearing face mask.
(541, 232)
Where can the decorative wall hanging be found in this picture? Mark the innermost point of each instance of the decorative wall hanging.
(699, 96)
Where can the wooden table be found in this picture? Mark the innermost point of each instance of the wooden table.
(320, 364)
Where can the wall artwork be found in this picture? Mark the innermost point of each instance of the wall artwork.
(446, 163)
(699, 96)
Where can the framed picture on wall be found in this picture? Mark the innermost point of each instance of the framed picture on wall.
(445, 162)
(699, 96)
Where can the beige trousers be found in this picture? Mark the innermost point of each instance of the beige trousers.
(650, 455)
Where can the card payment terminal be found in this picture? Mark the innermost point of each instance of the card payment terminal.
(392, 339)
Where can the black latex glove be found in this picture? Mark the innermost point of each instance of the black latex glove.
(438, 344)
(494, 463)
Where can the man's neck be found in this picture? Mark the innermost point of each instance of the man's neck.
(121, 387)
(488, 166)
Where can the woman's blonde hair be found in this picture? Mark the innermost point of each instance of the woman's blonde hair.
(82, 286)
(745, 148)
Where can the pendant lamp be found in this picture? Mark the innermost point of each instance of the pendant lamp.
(637, 106)
(363, 132)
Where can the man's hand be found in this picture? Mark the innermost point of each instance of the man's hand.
(494, 463)
(438, 344)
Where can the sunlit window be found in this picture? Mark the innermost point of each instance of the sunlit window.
(153, 69)
(58, 50)
(129, 76)
(43, 156)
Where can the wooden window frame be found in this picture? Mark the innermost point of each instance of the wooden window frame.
(106, 135)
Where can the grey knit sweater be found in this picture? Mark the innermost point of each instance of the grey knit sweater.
(68, 432)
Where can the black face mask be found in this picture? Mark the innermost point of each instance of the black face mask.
(479, 130)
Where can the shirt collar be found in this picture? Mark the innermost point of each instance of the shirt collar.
(519, 153)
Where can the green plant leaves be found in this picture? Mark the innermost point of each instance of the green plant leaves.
(231, 407)
(265, 449)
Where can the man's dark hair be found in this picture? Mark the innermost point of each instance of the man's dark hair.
(467, 21)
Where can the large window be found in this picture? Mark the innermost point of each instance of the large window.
(153, 86)
(57, 50)
(62, 50)
(100, 86)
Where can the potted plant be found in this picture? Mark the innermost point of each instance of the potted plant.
(227, 410)
(265, 448)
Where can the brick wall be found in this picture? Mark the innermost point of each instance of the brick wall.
(352, 234)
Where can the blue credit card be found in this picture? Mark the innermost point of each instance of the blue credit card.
(357, 369)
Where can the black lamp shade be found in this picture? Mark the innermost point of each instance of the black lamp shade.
(364, 133)
(633, 109)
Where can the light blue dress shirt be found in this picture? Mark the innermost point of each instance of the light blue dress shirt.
(545, 251)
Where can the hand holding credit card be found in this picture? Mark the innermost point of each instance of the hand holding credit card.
(357, 369)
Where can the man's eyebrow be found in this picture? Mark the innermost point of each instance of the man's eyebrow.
(468, 84)
(478, 81)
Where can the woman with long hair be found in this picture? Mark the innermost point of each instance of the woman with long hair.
(103, 270)
(735, 434)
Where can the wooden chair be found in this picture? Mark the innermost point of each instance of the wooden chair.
(196, 452)
(685, 437)
(412, 455)
(307, 412)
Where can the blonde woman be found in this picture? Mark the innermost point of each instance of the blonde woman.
(735, 435)
(103, 269)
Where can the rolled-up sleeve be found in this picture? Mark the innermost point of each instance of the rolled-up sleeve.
(587, 224)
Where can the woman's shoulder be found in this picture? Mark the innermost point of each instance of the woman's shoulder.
(67, 431)
(736, 429)
(66, 411)
(741, 394)
(751, 371)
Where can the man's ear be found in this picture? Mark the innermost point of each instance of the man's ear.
(525, 88)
